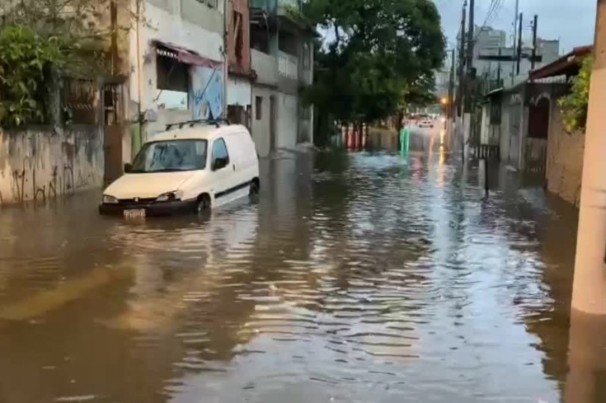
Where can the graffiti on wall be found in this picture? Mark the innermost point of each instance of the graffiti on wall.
(26, 186)
(208, 93)
(29, 176)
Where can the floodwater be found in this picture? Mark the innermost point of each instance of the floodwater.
(354, 278)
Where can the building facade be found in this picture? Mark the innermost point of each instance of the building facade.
(526, 124)
(241, 77)
(490, 43)
(282, 59)
(548, 50)
(177, 68)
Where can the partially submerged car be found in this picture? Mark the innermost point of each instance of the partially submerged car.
(192, 168)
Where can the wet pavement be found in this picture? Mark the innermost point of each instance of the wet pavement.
(354, 278)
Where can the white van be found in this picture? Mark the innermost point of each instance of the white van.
(186, 170)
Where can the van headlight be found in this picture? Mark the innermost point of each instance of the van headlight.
(169, 196)
(107, 199)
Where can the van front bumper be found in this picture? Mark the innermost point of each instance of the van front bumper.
(153, 209)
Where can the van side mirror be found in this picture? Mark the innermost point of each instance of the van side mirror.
(128, 167)
(219, 163)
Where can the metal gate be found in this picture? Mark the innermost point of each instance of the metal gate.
(535, 148)
(515, 117)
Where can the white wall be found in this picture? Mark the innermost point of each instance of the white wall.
(239, 91)
(287, 127)
(266, 67)
(485, 126)
(288, 65)
(261, 127)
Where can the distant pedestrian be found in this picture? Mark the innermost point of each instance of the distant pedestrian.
(404, 139)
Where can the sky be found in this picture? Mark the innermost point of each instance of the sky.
(571, 21)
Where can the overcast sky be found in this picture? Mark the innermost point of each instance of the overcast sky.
(571, 21)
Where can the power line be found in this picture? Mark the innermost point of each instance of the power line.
(493, 10)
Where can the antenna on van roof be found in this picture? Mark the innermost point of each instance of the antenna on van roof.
(192, 123)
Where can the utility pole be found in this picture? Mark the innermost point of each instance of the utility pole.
(451, 84)
(469, 83)
(515, 41)
(113, 12)
(461, 62)
(519, 50)
(226, 28)
(499, 71)
(535, 23)
(450, 114)
(470, 40)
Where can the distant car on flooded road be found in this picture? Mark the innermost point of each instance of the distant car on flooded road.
(426, 123)
(190, 169)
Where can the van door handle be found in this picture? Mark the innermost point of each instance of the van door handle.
(234, 166)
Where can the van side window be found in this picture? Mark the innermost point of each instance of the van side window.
(220, 157)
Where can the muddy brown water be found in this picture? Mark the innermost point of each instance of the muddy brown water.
(354, 278)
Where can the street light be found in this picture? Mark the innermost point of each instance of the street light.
(444, 101)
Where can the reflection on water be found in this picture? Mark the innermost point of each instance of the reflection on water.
(362, 277)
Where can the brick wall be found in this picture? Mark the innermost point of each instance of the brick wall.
(564, 159)
(240, 64)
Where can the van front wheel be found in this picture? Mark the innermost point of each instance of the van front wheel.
(203, 204)
(254, 188)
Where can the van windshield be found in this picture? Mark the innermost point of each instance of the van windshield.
(171, 156)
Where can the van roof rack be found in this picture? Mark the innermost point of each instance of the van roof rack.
(192, 123)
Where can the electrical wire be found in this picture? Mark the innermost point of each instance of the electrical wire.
(489, 14)
(493, 10)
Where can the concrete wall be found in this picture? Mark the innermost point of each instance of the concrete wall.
(485, 125)
(201, 15)
(239, 91)
(548, 49)
(287, 127)
(514, 124)
(39, 165)
(564, 159)
(185, 23)
(266, 67)
(306, 124)
(505, 130)
(261, 127)
(288, 65)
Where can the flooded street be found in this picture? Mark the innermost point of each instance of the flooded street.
(354, 278)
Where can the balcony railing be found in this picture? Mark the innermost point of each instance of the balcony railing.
(288, 65)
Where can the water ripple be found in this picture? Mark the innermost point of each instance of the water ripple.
(355, 278)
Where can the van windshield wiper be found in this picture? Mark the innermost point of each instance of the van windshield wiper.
(153, 171)
(171, 170)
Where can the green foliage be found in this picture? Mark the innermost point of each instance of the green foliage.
(38, 37)
(26, 60)
(574, 105)
(376, 56)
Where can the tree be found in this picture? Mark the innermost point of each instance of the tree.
(38, 38)
(25, 62)
(574, 105)
(376, 55)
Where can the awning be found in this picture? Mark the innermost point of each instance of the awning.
(568, 64)
(495, 92)
(183, 55)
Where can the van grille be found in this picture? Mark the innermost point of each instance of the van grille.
(136, 201)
